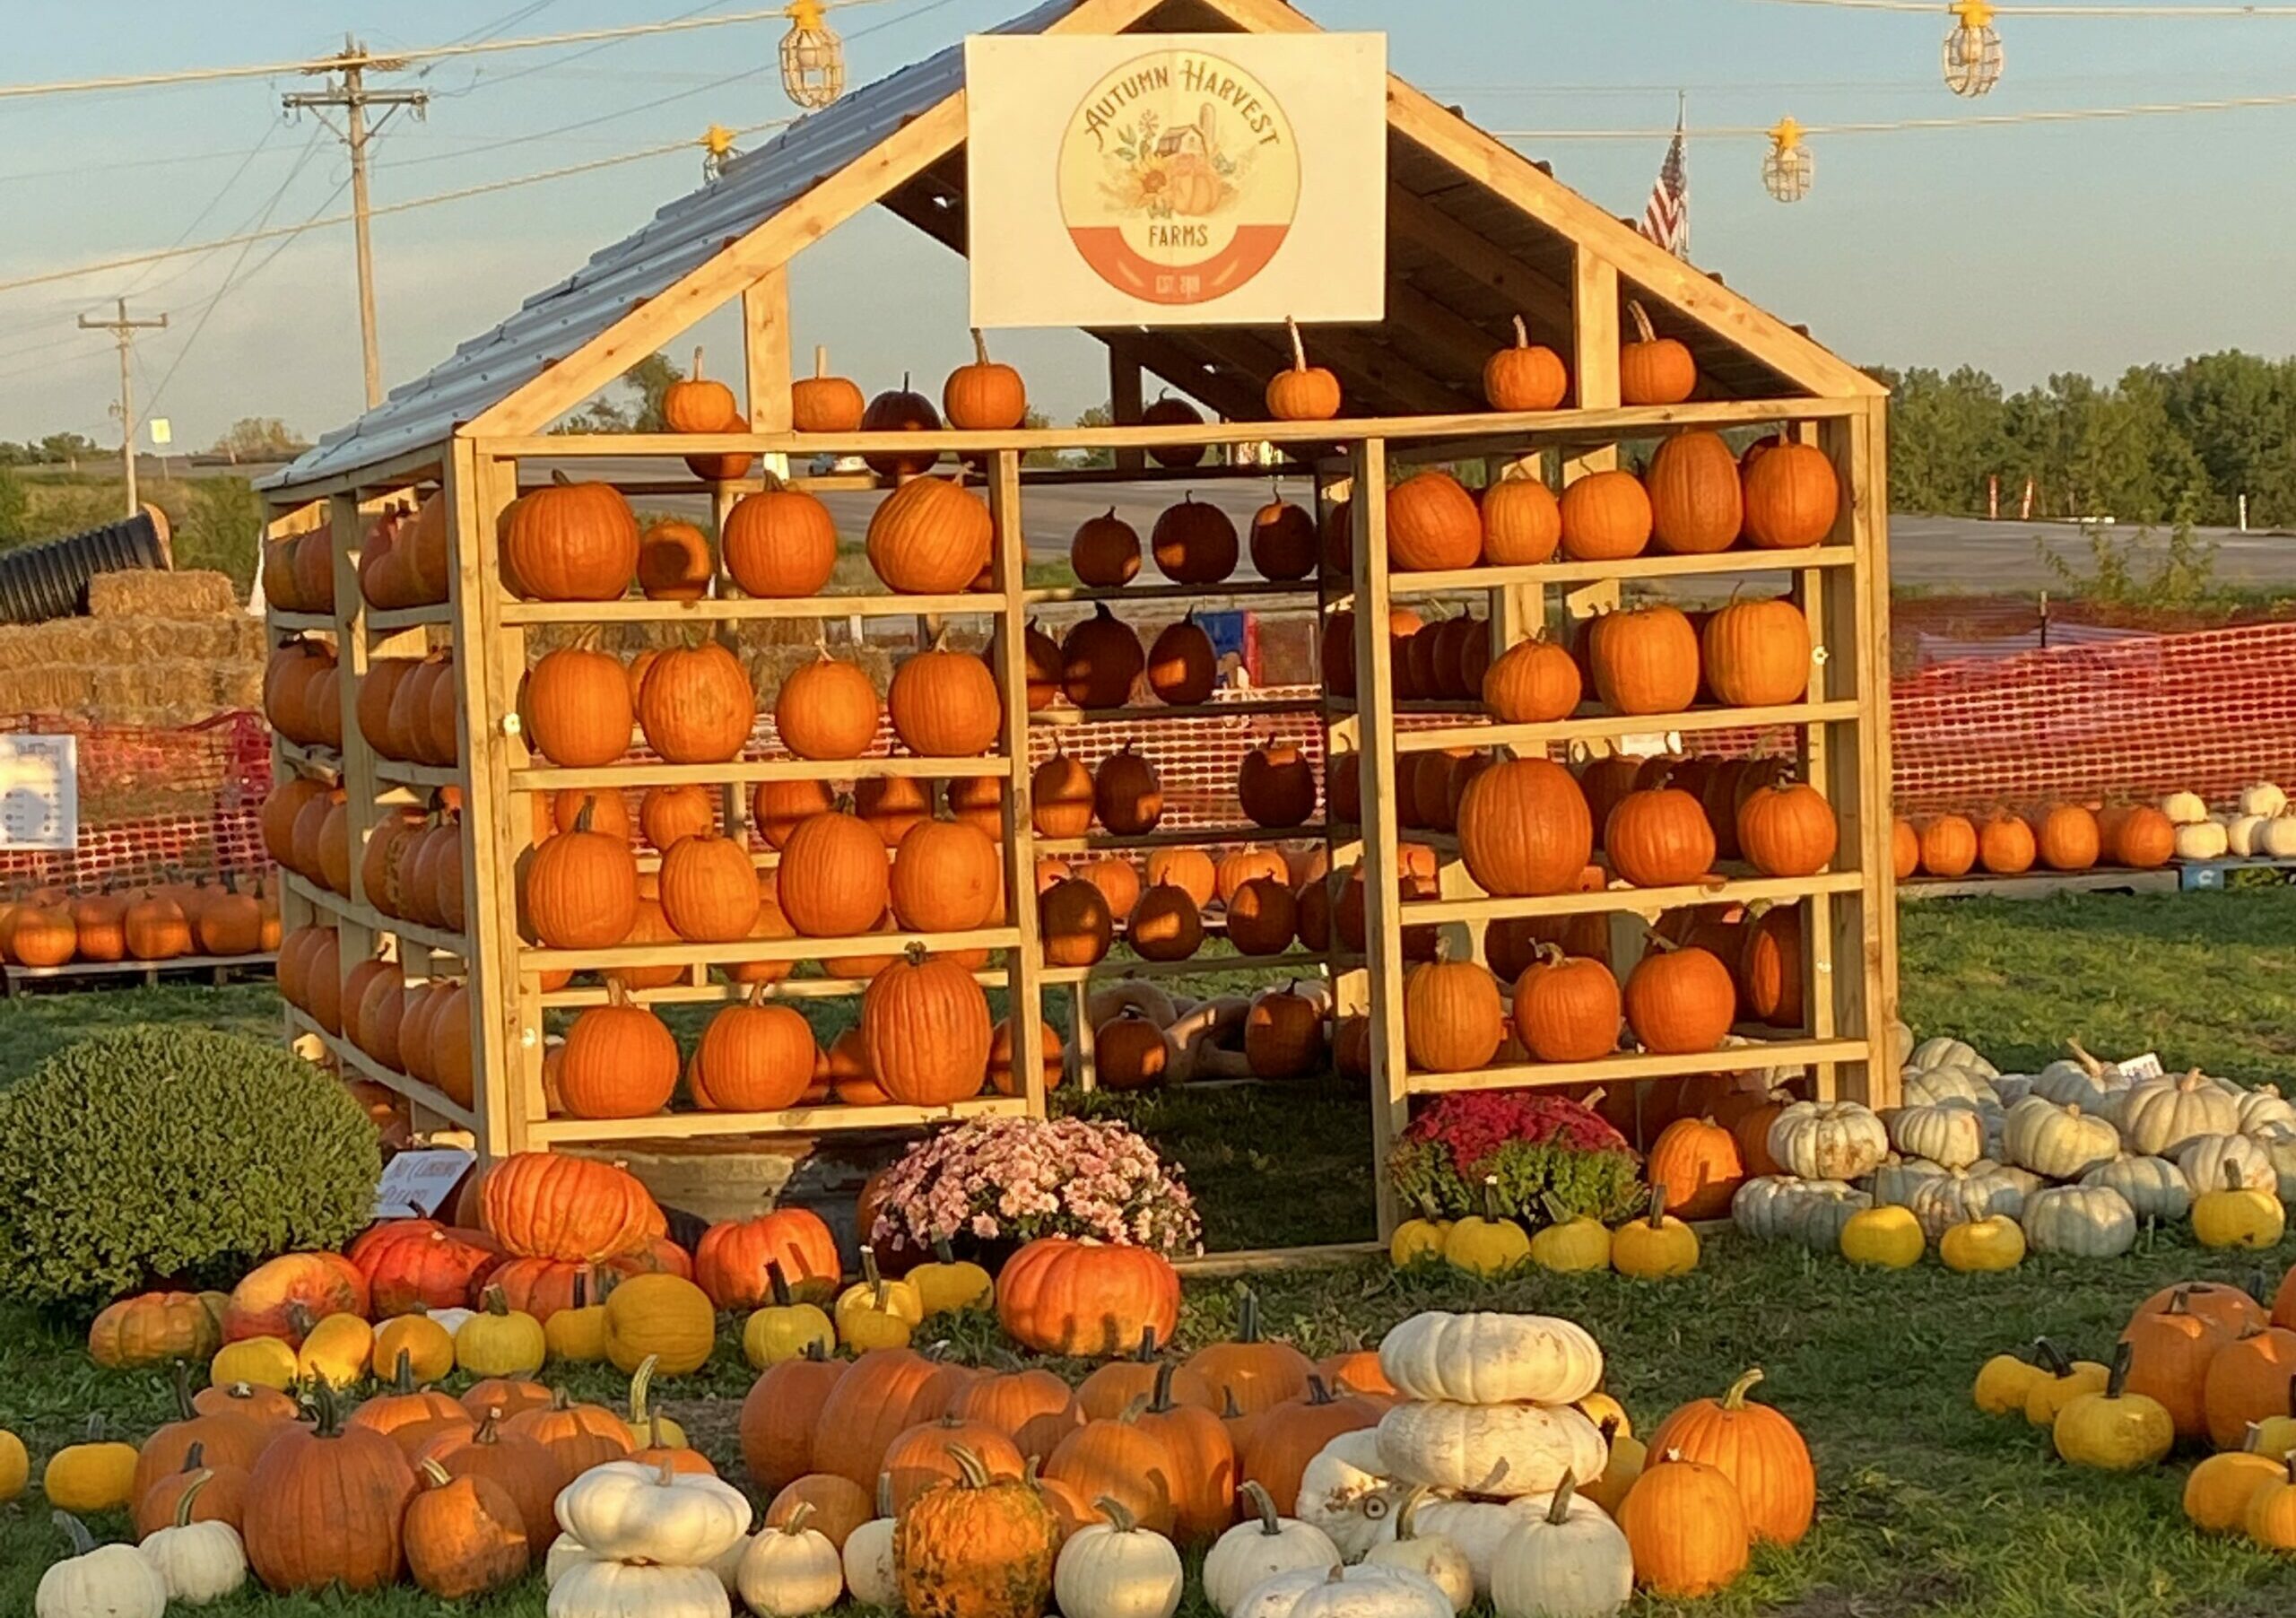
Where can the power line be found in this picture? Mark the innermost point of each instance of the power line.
(430, 53)
(49, 277)
(1928, 8)
(1977, 120)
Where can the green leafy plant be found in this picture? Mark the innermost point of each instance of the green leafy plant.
(173, 1153)
(2182, 574)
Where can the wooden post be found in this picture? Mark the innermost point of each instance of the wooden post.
(1023, 1001)
(1126, 401)
(765, 349)
(1816, 747)
(1375, 693)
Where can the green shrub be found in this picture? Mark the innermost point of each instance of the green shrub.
(173, 1152)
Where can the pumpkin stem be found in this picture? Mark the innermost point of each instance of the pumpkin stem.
(1247, 1324)
(492, 1300)
(1658, 1216)
(1491, 1197)
(433, 1475)
(1263, 1505)
(2050, 1358)
(869, 1273)
(181, 1377)
(1299, 348)
(329, 1409)
(1522, 334)
(1609, 1429)
(76, 1531)
(193, 1458)
(980, 347)
(1160, 1402)
(1407, 1514)
(697, 364)
(2252, 1438)
(885, 1494)
(779, 1282)
(1735, 1399)
(641, 1384)
(669, 1477)
(1147, 1350)
(972, 1474)
(201, 1478)
(1644, 331)
(2089, 1063)
(490, 1427)
(1319, 1391)
(1559, 1511)
(943, 1253)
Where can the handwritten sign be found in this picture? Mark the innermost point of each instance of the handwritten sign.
(2140, 1068)
(39, 792)
(415, 1184)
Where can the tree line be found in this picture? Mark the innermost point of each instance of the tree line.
(2165, 444)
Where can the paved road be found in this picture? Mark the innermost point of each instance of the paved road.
(1941, 554)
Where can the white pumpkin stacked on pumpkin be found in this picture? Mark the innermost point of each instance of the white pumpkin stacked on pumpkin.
(651, 1539)
(1487, 1443)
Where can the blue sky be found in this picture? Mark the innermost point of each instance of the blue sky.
(2024, 250)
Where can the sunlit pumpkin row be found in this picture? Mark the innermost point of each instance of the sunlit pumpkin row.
(52, 927)
(2069, 835)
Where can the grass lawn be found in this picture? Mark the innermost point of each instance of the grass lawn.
(1924, 1506)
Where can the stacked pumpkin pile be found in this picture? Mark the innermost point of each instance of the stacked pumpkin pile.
(165, 922)
(2260, 825)
(2065, 836)
(2200, 1366)
(1985, 1165)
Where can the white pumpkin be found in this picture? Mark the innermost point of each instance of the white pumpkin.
(2159, 1116)
(2263, 1110)
(104, 1581)
(1817, 1223)
(2055, 1141)
(1502, 1450)
(1828, 1140)
(1765, 1206)
(565, 1551)
(1897, 1178)
(870, 1576)
(450, 1320)
(1492, 1359)
(2086, 1222)
(1928, 1086)
(2277, 837)
(2011, 1088)
(198, 1562)
(1356, 1592)
(627, 1589)
(2202, 840)
(1562, 1564)
(2080, 1082)
(1949, 1135)
(626, 1511)
(2280, 1150)
(2242, 835)
(1435, 1557)
(1264, 1544)
(791, 1570)
(2185, 808)
(1480, 1527)
(2207, 1160)
(2153, 1187)
(1963, 1196)
(1117, 1570)
(1942, 1052)
(728, 1565)
(2262, 799)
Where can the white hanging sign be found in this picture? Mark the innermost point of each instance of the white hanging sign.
(1176, 180)
(39, 792)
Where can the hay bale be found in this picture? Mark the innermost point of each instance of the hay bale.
(149, 593)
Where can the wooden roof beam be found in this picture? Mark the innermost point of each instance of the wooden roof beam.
(1166, 353)
(1387, 370)
(1461, 344)
(1545, 305)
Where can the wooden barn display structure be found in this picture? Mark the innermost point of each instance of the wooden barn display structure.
(1479, 237)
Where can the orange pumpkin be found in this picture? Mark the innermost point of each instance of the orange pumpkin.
(924, 1026)
(931, 536)
(1644, 660)
(1686, 1529)
(570, 542)
(779, 543)
(673, 562)
(1653, 369)
(1567, 1007)
(1453, 1021)
(822, 403)
(1791, 495)
(1756, 1448)
(1756, 654)
(1605, 516)
(1679, 998)
(1433, 524)
(984, 396)
(1696, 506)
(1525, 377)
(1305, 392)
(944, 704)
(1064, 1297)
(1525, 829)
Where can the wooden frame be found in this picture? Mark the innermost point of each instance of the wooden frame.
(1839, 731)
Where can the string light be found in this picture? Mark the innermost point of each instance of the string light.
(1973, 50)
(813, 57)
(1787, 167)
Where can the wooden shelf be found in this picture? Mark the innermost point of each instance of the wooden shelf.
(1054, 719)
(796, 1120)
(1195, 966)
(316, 764)
(349, 1056)
(1601, 426)
(1742, 891)
(299, 624)
(404, 774)
(1629, 1066)
(746, 608)
(148, 969)
(549, 777)
(1595, 726)
(1717, 564)
(374, 920)
(535, 960)
(726, 992)
(1109, 842)
(380, 623)
(1206, 595)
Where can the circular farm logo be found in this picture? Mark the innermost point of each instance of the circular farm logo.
(1180, 178)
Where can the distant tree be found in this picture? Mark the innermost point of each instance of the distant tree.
(15, 508)
(643, 388)
(59, 447)
(1100, 415)
(260, 439)
(221, 526)
(1036, 421)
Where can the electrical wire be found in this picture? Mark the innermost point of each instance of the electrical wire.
(479, 81)
(49, 277)
(1975, 120)
(1933, 8)
(401, 59)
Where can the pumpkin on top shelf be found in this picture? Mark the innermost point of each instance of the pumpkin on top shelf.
(822, 402)
(1653, 369)
(1525, 375)
(695, 403)
(900, 410)
(1304, 392)
(984, 396)
(570, 542)
(1166, 410)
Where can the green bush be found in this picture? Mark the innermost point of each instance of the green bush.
(173, 1152)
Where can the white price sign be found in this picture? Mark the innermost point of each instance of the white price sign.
(39, 792)
(415, 1184)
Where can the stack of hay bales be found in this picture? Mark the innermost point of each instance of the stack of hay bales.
(157, 648)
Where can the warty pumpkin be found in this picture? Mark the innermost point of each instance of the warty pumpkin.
(980, 1547)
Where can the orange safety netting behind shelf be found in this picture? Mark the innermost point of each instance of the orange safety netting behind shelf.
(2210, 711)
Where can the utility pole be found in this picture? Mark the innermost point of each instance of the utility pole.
(350, 93)
(123, 330)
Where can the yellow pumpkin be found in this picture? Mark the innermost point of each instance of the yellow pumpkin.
(2061, 1382)
(499, 1340)
(1417, 1241)
(780, 1332)
(1607, 1412)
(578, 1333)
(647, 1425)
(259, 1361)
(665, 1316)
(2004, 1381)
(2271, 1517)
(1882, 1238)
(1487, 1246)
(429, 1348)
(2235, 1215)
(2218, 1491)
(950, 1285)
(877, 1311)
(95, 1475)
(16, 1466)
(1979, 1246)
(1625, 1464)
(2274, 1435)
(1572, 1247)
(2114, 1430)
(335, 1351)
(1653, 1247)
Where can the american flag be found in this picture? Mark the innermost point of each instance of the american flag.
(1667, 220)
